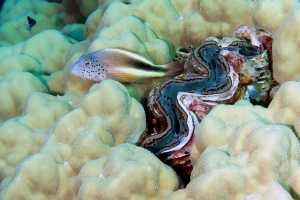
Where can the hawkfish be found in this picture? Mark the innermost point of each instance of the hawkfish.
(122, 66)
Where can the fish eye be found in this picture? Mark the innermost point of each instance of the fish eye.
(87, 62)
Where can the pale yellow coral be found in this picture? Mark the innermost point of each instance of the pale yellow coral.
(23, 136)
(27, 81)
(45, 60)
(82, 140)
(286, 47)
(269, 14)
(14, 92)
(47, 51)
(125, 174)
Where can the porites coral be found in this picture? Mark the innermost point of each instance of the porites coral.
(106, 117)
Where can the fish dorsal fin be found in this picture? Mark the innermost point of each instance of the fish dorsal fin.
(31, 21)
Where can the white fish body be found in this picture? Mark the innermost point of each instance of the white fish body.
(121, 65)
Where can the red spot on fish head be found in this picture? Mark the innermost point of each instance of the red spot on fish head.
(87, 63)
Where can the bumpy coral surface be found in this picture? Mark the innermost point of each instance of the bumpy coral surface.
(106, 117)
(63, 137)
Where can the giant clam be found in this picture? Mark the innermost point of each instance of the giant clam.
(215, 72)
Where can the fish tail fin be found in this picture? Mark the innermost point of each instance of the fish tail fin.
(175, 68)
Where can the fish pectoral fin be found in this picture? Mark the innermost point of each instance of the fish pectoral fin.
(122, 77)
(175, 68)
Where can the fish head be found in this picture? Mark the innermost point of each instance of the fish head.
(87, 67)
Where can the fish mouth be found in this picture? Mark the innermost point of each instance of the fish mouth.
(74, 68)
